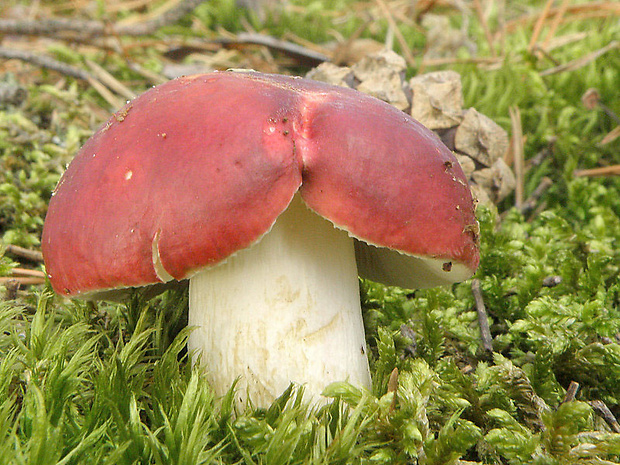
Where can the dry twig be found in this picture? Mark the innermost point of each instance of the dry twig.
(44, 62)
(601, 409)
(530, 203)
(582, 61)
(571, 392)
(25, 272)
(31, 255)
(613, 170)
(72, 28)
(302, 54)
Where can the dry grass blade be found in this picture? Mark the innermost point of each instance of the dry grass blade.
(485, 26)
(581, 62)
(557, 19)
(573, 12)
(517, 152)
(107, 95)
(65, 69)
(149, 75)
(406, 51)
(561, 41)
(454, 60)
(611, 136)
(109, 80)
(540, 22)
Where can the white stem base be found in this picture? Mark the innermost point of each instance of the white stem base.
(286, 309)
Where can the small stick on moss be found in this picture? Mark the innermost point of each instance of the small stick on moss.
(22, 280)
(537, 159)
(483, 321)
(62, 68)
(571, 392)
(546, 54)
(44, 62)
(613, 170)
(530, 203)
(601, 409)
(24, 272)
(298, 52)
(31, 255)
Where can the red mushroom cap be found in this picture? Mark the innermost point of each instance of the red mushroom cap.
(200, 167)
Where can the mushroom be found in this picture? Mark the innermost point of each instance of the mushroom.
(270, 194)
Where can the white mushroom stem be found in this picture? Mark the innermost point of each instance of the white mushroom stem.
(286, 309)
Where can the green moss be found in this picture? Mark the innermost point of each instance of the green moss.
(112, 384)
